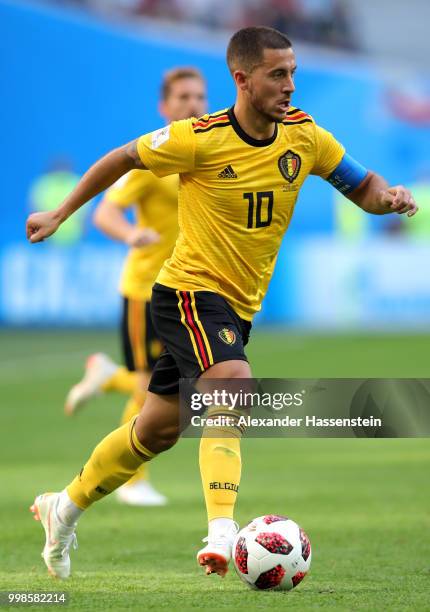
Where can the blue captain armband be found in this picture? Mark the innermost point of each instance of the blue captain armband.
(347, 175)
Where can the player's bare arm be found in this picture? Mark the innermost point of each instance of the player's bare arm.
(110, 218)
(375, 196)
(98, 178)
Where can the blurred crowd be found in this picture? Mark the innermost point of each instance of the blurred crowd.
(325, 22)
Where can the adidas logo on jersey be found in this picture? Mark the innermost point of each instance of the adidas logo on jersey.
(227, 173)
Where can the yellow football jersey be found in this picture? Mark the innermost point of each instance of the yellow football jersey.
(236, 198)
(156, 204)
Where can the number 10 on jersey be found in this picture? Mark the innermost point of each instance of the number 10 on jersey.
(260, 207)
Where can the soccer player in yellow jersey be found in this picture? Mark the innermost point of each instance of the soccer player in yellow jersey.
(240, 170)
(151, 241)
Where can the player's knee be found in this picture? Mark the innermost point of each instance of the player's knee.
(155, 438)
(229, 369)
(239, 369)
(163, 440)
(157, 426)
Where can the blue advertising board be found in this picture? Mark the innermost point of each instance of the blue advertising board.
(61, 106)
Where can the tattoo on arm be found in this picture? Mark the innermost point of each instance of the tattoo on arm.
(131, 150)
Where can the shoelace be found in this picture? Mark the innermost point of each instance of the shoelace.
(222, 536)
(69, 539)
(73, 541)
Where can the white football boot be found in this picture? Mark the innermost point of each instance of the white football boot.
(59, 537)
(140, 494)
(98, 369)
(216, 555)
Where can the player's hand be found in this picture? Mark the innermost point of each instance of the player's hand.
(41, 225)
(141, 236)
(400, 200)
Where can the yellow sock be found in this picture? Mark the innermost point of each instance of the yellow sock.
(220, 468)
(141, 474)
(114, 461)
(122, 380)
(132, 408)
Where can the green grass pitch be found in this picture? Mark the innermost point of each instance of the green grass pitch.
(364, 503)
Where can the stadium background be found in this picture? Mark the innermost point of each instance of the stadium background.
(350, 296)
(76, 85)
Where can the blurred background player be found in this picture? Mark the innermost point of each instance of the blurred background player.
(151, 240)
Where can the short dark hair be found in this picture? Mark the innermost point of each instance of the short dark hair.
(245, 49)
(177, 74)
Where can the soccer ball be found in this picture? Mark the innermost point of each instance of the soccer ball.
(272, 552)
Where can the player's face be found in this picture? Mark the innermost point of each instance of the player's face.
(187, 98)
(271, 84)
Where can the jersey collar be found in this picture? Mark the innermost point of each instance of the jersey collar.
(246, 137)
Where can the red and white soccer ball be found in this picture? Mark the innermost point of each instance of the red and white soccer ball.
(272, 552)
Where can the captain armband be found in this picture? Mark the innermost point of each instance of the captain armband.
(347, 175)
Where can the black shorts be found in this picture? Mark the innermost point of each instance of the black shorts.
(197, 329)
(140, 344)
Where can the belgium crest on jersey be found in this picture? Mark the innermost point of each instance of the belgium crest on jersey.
(227, 335)
(289, 165)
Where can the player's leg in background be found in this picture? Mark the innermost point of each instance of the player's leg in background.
(102, 374)
(122, 381)
(141, 349)
(125, 379)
